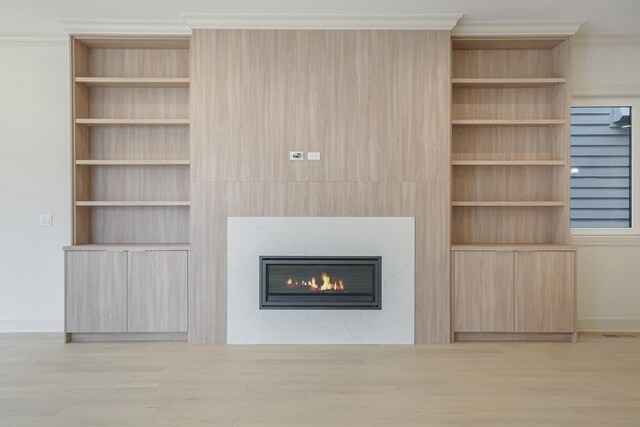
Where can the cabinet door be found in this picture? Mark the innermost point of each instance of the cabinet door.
(96, 284)
(483, 291)
(158, 291)
(544, 291)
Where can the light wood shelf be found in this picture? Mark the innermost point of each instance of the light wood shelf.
(134, 122)
(507, 82)
(135, 82)
(96, 203)
(512, 247)
(508, 162)
(131, 162)
(550, 203)
(506, 43)
(134, 42)
(130, 247)
(510, 187)
(508, 122)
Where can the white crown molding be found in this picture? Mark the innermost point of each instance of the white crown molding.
(34, 39)
(605, 91)
(517, 28)
(321, 22)
(125, 26)
(607, 40)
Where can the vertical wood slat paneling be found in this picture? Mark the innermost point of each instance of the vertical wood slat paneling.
(374, 103)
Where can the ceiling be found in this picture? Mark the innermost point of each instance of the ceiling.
(602, 16)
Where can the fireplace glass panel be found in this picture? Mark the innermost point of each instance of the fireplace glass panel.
(320, 282)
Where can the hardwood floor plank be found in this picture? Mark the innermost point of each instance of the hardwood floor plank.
(44, 382)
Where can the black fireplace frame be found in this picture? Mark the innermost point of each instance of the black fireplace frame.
(321, 302)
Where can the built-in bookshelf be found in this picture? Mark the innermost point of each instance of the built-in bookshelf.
(510, 147)
(131, 181)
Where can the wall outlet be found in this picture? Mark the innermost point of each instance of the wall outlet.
(313, 155)
(296, 155)
(46, 220)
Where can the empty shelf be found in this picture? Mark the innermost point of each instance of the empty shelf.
(125, 122)
(133, 203)
(131, 162)
(142, 82)
(507, 83)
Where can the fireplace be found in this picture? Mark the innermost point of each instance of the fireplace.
(292, 282)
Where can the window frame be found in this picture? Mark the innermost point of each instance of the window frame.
(634, 103)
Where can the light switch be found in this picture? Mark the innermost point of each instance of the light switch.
(296, 155)
(46, 220)
(313, 155)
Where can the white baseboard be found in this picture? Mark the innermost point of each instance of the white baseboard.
(609, 325)
(31, 325)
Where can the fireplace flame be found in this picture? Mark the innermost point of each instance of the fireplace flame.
(327, 284)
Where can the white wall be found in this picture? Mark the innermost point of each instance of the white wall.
(34, 179)
(605, 71)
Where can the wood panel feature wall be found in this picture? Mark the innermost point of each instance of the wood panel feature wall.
(374, 103)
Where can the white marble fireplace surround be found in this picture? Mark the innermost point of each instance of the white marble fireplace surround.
(389, 237)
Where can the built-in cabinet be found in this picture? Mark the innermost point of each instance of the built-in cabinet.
(519, 291)
(126, 270)
(121, 290)
(96, 293)
(544, 291)
(157, 291)
(512, 271)
(483, 291)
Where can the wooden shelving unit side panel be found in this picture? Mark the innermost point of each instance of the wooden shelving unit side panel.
(562, 61)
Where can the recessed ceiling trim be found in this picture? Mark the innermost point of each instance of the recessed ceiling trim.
(517, 28)
(125, 26)
(321, 22)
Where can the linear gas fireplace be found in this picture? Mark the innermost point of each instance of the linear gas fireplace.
(289, 282)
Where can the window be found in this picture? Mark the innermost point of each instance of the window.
(601, 167)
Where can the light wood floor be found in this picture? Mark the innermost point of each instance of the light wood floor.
(43, 382)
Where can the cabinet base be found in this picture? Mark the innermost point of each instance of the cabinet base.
(131, 336)
(514, 336)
